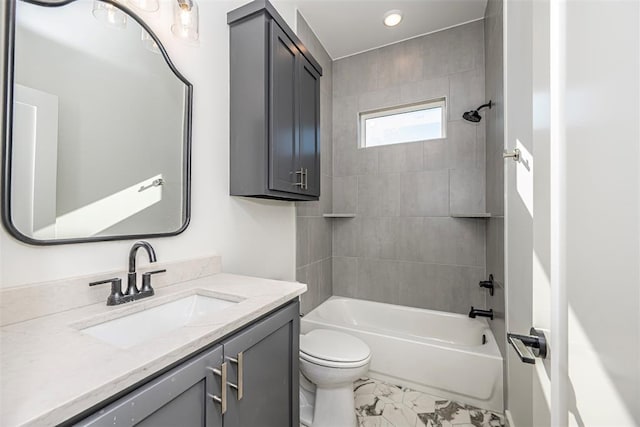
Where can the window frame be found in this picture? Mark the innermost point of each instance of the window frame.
(363, 116)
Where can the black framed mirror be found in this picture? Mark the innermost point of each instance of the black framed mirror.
(96, 125)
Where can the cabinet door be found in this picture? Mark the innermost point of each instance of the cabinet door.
(269, 372)
(181, 397)
(309, 125)
(282, 113)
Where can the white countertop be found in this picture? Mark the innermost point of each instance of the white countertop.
(50, 371)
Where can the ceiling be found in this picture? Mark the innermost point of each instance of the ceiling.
(347, 27)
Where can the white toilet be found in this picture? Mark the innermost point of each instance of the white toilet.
(330, 362)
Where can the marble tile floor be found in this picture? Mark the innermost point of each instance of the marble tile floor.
(379, 404)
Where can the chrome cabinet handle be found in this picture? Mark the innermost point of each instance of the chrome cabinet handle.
(304, 179)
(239, 386)
(515, 155)
(528, 347)
(222, 399)
(301, 183)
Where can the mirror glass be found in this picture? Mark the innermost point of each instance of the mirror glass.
(100, 128)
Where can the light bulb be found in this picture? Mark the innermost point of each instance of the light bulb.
(185, 20)
(185, 17)
(112, 18)
(392, 18)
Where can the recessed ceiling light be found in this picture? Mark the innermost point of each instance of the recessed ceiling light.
(392, 18)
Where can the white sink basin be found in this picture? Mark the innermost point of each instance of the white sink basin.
(132, 329)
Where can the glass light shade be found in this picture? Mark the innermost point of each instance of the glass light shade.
(185, 20)
(148, 42)
(109, 14)
(146, 5)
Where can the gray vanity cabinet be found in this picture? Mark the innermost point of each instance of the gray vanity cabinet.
(261, 389)
(270, 376)
(275, 108)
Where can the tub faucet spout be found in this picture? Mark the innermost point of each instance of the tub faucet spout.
(482, 313)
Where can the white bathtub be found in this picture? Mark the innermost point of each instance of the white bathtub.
(435, 352)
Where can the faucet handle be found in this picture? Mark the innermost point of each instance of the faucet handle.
(488, 284)
(146, 281)
(116, 296)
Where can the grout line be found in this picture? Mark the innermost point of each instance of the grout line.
(314, 262)
(477, 267)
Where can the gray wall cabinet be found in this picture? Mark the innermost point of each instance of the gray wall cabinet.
(261, 389)
(275, 108)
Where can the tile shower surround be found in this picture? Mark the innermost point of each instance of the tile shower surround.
(403, 247)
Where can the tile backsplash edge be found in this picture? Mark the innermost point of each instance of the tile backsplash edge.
(31, 301)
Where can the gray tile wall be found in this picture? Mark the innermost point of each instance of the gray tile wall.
(494, 119)
(403, 247)
(313, 232)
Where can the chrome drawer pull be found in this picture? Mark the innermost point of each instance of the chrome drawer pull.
(240, 362)
(222, 400)
(301, 183)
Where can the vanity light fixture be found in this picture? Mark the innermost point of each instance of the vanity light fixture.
(109, 14)
(146, 5)
(185, 20)
(392, 18)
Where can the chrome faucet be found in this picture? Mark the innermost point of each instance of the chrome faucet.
(133, 293)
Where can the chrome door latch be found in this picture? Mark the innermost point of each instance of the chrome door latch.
(528, 347)
(515, 155)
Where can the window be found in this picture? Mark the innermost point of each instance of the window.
(408, 123)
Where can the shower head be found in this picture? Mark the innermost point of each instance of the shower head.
(474, 116)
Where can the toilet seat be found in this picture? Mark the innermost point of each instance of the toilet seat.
(334, 349)
(332, 364)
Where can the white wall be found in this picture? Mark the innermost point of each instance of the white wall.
(254, 237)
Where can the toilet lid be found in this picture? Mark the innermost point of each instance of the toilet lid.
(333, 346)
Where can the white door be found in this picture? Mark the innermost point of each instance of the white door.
(527, 204)
(35, 154)
(572, 102)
